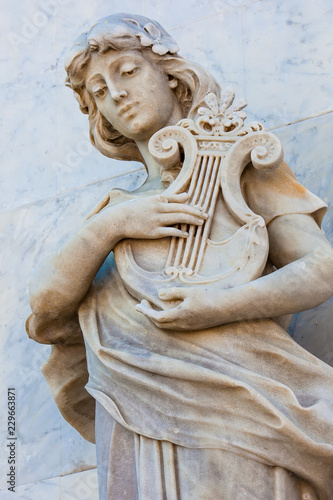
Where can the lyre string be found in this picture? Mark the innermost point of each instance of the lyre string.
(202, 192)
(194, 196)
(171, 260)
(205, 201)
(209, 208)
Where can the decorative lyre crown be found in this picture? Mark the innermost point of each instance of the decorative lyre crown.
(222, 115)
(220, 118)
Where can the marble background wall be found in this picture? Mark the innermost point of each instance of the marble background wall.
(277, 54)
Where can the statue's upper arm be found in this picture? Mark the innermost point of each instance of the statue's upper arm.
(62, 330)
(293, 236)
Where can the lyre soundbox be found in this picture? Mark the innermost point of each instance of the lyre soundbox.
(205, 158)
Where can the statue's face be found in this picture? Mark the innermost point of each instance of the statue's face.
(132, 93)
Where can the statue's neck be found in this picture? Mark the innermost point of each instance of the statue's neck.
(153, 168)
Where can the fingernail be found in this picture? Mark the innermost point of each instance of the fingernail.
(185, 233)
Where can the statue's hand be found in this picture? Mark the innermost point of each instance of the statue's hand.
(153, 217)
(196, 311)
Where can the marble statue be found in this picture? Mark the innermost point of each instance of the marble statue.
(167, 310)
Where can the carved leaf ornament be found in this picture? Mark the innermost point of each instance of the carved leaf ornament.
(216, 148)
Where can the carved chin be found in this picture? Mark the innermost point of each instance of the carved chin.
(140, 130)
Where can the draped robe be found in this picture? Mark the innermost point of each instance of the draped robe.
(239, 411)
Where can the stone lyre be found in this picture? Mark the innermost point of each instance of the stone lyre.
(205, 158)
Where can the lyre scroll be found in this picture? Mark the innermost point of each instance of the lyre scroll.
(216, 148)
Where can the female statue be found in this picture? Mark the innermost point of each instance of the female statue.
(199, 393)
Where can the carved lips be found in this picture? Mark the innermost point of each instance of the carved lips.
(127, 107)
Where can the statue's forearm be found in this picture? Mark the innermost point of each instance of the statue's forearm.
(298, 286)
(305, 276)
(60, 282)
(301, 283)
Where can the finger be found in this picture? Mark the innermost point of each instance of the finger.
(182, 208)
(163, 232)
(177, 198)
(163, 198)
(180, 218)
(173, 325)
(144, 304)
(173, 293)
(157, 316)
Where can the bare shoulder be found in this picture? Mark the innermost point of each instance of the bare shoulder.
(293, 236)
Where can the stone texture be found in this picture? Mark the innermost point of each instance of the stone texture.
(290, 50)
(36, 180)
(48, 488)
(186, 254)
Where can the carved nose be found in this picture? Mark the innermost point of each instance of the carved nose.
(118, 96)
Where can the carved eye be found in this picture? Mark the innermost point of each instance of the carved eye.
(129, 71)
(99, 91)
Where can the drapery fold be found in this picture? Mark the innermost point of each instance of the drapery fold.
(245, 389)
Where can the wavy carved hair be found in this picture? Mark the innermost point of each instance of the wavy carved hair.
(194, 83)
